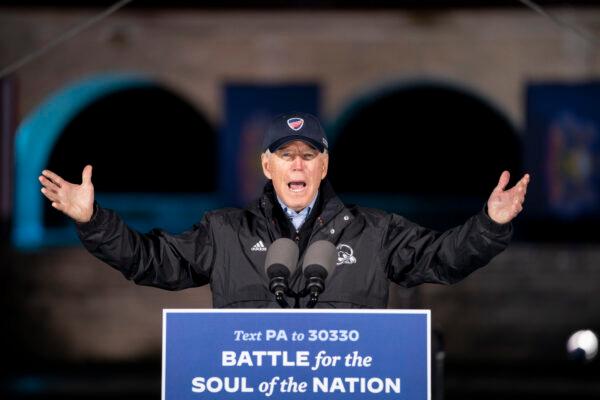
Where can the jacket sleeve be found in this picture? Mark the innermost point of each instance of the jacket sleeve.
(415, 255)
(156, 258)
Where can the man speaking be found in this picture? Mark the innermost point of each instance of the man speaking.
(227, 248)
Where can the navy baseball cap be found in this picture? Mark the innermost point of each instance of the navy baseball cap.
(295, 126)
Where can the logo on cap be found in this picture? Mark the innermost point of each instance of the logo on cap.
(295, 123)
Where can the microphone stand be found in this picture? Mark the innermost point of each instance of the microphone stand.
(280, 288)
(314, 288)
(279, 296)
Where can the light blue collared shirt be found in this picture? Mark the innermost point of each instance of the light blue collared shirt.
(298, 218)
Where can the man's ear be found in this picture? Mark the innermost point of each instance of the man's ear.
(266, 165)
(325, 165)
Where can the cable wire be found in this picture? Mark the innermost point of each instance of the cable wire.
(71, 33)
(593, 39)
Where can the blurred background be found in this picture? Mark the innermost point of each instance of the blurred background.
(425, 103)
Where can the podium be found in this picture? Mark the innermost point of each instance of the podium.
(296, 354)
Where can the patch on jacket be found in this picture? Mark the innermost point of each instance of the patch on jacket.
(345, 254)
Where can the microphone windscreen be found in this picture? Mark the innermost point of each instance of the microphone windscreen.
(320, 259)
(282, 258)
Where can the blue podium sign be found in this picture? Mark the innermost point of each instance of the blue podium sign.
(299, 354)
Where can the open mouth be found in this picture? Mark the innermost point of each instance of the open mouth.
(297, 186)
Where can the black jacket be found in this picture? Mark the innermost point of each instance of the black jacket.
(225, 250)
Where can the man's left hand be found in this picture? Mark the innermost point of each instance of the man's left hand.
(504, 205)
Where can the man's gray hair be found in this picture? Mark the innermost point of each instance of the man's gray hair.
(268, 152)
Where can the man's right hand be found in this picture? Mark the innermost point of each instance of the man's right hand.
(76, 201)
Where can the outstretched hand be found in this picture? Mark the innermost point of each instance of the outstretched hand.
(76, 201)
(504, 205)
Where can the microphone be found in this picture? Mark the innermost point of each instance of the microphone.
(281, 262)
(319, 261)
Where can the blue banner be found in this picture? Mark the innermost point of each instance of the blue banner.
(308, 354)
(562, 151)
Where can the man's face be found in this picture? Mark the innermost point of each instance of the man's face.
(296, 170)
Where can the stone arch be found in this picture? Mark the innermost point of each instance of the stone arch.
(76, 116)
(430, 150)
